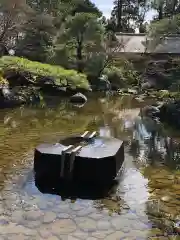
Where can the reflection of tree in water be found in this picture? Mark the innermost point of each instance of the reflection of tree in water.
(115, 114)
(160, 156)
(172, 157)
(157, 157)
(157, 150)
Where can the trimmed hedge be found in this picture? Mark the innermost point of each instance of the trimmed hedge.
(61, 76)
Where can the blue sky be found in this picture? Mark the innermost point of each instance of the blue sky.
(106, 6)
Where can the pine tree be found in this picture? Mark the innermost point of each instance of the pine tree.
(124, 13)
(37, 39)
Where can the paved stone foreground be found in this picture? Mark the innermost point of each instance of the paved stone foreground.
(26, 214)
(79, 225)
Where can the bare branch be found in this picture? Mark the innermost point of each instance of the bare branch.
(110, 49)
(13, 15)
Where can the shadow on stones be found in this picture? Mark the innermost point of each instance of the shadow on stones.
(74, 190)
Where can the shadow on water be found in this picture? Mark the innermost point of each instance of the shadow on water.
(74, 190)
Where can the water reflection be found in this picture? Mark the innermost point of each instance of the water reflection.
(105, 131)
(143, 204)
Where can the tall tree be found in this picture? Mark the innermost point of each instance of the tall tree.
(43, 28)
(143, 8)
(86, 6)
(38, 38)
(159, 5)
(158, 30)
(13, 14)
(82, 31)
(166, 8)
(125, 13)
(119, 14)
(60, 7)
(54, 8)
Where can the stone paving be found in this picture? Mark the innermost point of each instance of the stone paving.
(27, 214)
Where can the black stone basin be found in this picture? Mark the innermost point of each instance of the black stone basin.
(99, 159)
(76, 140)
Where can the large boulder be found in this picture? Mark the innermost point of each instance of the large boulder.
(7, 98)
(18, 96)
(29, 95)
(149, 111)
(146, 85)
(78, 98)
(132, 91)
(103, 84)
(170, 112)
(3, 50)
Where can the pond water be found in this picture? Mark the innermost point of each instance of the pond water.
(143, 205)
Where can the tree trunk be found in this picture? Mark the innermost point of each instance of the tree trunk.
(173, 12)
(160, 12)
(119, 15)
(79, 55)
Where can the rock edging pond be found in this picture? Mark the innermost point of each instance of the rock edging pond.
(169, 113)
(23, 81)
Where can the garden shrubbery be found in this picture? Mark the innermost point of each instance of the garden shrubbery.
(61, 76)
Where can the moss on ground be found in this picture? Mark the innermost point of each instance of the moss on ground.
(61, 76)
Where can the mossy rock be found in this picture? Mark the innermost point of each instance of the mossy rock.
(37, 70)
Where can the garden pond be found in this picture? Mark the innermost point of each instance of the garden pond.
(144, 204)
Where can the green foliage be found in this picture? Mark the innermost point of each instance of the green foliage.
(165, 8)
(62, 76)
(115, 76)
(165, 26)
(82, 35)
(159, 29)
(86, 6)
(12, 17)
(3, 81)
(165, 94)
(128, 70)
(127, 15)
(94, 64)
(130, 73)
(55, 8)
(61, 56)
(38, 39)
(83, 27)
(71, 34)
(64, 7)
(55, 22)
(123, 75)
